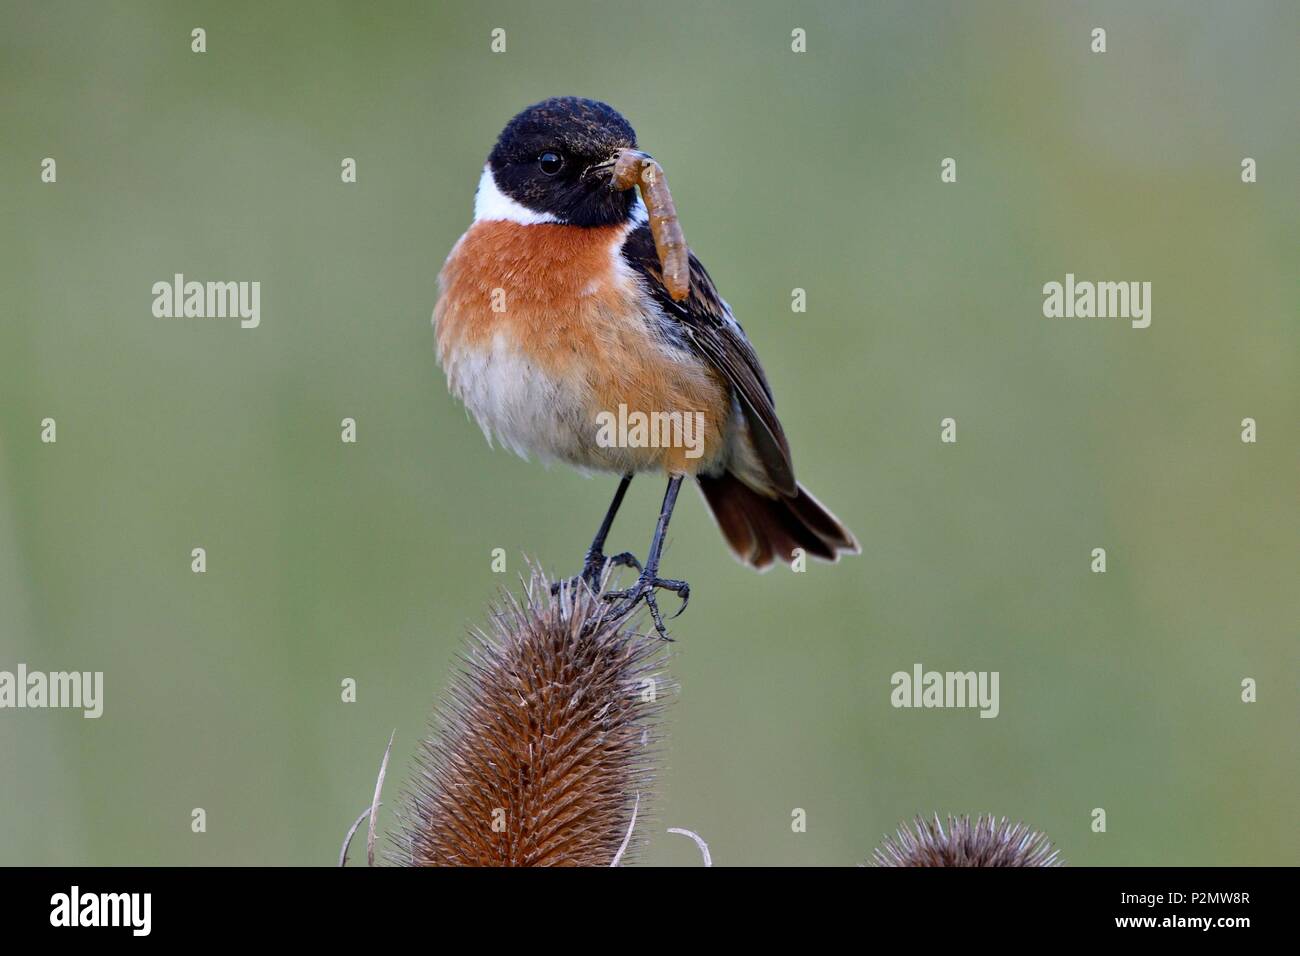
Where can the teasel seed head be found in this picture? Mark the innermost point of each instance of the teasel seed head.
(545, 746)
(986, 842)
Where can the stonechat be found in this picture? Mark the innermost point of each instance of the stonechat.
(557, 329)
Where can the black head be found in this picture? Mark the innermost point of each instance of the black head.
(555, 157)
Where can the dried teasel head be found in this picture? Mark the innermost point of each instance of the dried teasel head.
(986, 842)
(544, 748)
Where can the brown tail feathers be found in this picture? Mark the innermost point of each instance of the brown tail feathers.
(760, 529)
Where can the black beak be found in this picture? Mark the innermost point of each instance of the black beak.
(606, 169)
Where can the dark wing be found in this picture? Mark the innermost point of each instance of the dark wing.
(707, 326)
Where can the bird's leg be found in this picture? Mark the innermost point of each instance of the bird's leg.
(593, 564)
(649, 580)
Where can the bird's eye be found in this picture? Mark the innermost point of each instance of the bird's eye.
(551, 163)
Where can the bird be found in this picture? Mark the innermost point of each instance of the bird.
(554, 317)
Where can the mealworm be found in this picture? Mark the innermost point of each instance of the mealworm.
(633, 167)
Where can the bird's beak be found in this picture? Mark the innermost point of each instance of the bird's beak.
(621, 169)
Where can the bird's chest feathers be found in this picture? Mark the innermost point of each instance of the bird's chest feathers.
(552, 290)
(541, 327)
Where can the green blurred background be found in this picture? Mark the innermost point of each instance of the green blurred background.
(818, 171)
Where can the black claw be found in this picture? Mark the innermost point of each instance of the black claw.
(652, 603)
(593, 568)
(684, 593)
(625, 560)
(644, 590)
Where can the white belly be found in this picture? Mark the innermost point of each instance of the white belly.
(518, 405)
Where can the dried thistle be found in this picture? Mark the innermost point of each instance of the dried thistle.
(986, 842)
(544, 746)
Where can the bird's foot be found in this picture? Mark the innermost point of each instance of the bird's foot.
(593, 569)
(644, 590)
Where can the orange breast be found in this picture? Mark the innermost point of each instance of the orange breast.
(561, 297)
